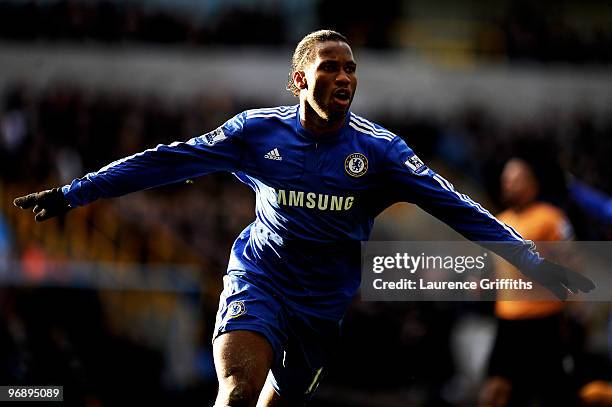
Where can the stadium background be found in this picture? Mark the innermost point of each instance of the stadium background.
(116, 301)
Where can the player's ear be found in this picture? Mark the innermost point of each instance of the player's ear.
(299, 80)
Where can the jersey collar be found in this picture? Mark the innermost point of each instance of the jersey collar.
(318, 138)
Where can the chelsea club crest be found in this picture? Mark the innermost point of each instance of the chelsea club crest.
(356, 164)
(235, 309)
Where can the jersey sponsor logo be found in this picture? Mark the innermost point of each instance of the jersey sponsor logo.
(356, 164)
(273, 155)
(215, 136)
(313, 200)
(415, 164)
(235, 309)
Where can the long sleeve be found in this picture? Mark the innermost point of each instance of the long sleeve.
(419, 184)
(219, 150)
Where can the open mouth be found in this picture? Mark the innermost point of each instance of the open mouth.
(342, 95)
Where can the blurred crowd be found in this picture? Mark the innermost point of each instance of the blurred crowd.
(109, 22)
(546, 32)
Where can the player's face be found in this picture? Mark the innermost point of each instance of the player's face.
(331, 80)
(518, 184)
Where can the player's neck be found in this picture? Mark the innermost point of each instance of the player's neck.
(314, 123)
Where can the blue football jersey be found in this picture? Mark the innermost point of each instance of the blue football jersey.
(316, 198)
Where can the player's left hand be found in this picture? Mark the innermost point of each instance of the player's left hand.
(46, 204)
(561, 280)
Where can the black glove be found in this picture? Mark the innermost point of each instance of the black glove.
(47, 204)
(560, 280)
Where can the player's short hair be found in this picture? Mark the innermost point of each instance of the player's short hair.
(304, 52)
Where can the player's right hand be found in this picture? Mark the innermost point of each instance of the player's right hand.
(46, 204)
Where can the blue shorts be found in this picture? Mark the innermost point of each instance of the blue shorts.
(302, 344)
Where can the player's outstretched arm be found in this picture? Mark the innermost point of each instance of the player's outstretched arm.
(45, 204)
(438, 197)
(219, 150)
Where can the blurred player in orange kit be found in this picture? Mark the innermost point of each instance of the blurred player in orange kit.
(526, 362)
(597, 393)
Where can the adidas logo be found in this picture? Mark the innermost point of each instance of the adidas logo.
(273, 155)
